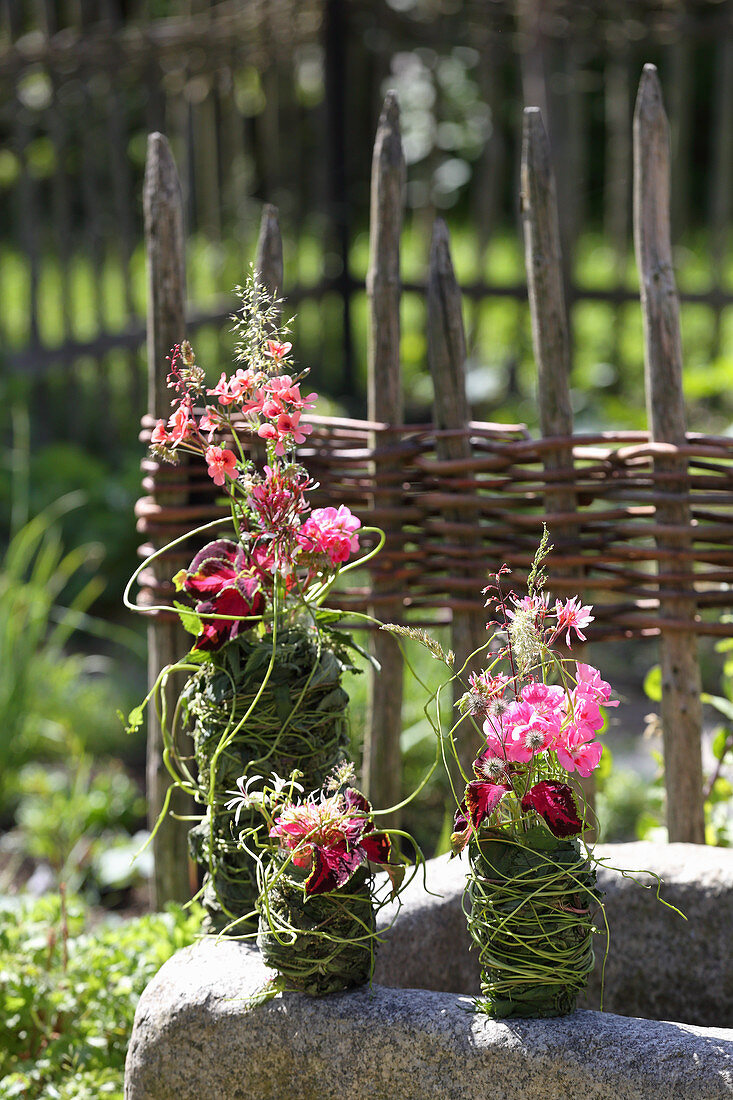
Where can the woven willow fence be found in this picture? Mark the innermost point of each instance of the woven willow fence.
(642, 523)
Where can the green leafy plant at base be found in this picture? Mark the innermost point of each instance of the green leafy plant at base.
(45, 697)
(72, 817)
(68, 994)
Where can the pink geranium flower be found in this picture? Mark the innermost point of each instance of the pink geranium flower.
(222, 463)
(241, 383)
(276, 350)
(210, 422)
(284, 396)
(589, 683)
(287, 430)
(159, 436)
(572, 616)
(222, 391)
(181, 424)
(527, 730)
(332, 532)
(578, 752)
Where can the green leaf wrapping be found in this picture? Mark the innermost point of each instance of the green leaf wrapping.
(319, 944)
(298, 723)
(532, 898)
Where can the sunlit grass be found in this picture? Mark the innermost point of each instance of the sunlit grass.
(607, 373)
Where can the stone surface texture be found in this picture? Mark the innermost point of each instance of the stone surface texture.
(659, 965)
(197, 1035)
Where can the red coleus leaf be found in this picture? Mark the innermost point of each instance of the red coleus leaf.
(229, 601)
(482, 798)
(461, 832)
(479, 802)
(212, 568)
(332, 867)
(376, 847)
(555, 804)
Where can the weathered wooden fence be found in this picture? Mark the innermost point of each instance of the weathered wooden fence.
(81, 85)
(642, 522)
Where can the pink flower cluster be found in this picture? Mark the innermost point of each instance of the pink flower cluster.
(536, 732)
(181, 424)
(332, 533)
(272, 403)
(547, 718)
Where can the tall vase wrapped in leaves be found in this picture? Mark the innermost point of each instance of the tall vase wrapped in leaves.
(264, 692)
(318, 897)
(531, 892)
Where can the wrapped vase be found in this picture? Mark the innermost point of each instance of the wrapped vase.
(318, 943)
(298, 723)
(532, 897)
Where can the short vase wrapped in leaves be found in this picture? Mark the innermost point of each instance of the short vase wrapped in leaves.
(318, 896)
(264, 691)
(531, 897)
(531, 893)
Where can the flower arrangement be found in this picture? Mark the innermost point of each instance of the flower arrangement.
(284, 555)
(264, 690)
(318, 897)
(531, 887)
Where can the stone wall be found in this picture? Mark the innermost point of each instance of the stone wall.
(414, 1034)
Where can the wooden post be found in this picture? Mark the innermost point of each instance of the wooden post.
(447, 362)
(722, 166)
(550, 339)
(382, 758)
(167, 641)
(546, 296)
(681, 707)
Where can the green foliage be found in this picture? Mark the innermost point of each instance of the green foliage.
(68, 995)
(428, 819)
(626, 796)
(49, 702)
(628, 805)
(105, 520)
(72, 818)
